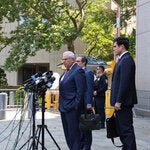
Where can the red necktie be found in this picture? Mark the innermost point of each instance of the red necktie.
(66, 72)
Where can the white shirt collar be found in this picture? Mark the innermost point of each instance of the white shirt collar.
(122, 54)
(71, 66)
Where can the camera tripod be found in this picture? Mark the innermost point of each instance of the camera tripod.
(40, 131)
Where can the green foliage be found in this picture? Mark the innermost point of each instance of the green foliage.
(50, 24)
(99, 31)
(19, 97)
(3, 79)
(38, 29)
(132, 39)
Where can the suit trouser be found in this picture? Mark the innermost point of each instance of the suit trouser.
(70, 122)
(99, 104)
(86, 140)
(124, 120)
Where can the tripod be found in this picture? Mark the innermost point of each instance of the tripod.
(40, 128)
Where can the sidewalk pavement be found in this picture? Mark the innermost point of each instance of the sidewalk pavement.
(15, 130)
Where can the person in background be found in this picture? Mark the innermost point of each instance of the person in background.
(86, 136)
(71, 94)
(123, 93)
(100, 87)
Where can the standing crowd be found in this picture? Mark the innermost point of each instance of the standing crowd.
(79, 92)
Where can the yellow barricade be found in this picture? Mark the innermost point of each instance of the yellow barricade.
(108, 108)
(51, 99)
(47, 99)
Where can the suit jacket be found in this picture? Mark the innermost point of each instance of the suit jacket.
(101, 85)
(71, 89)
(123, 88)
(88, 97)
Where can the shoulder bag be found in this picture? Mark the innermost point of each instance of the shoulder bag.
(111, 128)
(89, 121)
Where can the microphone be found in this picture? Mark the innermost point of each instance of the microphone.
(33, 78)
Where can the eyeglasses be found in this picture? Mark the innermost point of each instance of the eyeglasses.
(78, 61)
(64, 59)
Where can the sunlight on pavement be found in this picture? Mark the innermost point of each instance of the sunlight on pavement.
(10, 115)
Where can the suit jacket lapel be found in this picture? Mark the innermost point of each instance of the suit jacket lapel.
(68, 74)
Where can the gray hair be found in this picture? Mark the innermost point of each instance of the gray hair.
(69, 54)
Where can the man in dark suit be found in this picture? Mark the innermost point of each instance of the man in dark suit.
(86, 136)
(100, 87)
(71, 95)
(123, 93)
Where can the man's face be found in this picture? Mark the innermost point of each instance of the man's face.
(99, 70)
(67, 61)
(79, 62)
(118, 49)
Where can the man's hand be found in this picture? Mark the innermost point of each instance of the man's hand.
(88, 106)
(118, 106)
(94, 93)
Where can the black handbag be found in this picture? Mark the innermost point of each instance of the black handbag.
(89, 121)
(111, 128)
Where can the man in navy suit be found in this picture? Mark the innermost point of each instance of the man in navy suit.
(71, 95)
(123, 93)
(86, 136)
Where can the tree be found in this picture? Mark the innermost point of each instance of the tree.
(99, 31)
(3, 80)
(38, 28)
(49, 24)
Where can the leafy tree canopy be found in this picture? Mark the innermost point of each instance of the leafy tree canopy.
(99, 31)
(47, 24)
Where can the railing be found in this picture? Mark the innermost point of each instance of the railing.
(15, 97)
(18, 99)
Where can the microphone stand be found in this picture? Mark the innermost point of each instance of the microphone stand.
(40, 128)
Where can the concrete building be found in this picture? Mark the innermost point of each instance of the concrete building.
(142, 56)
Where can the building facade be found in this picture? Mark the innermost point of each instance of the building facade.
(142, 56)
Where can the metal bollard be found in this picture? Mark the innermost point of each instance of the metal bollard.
(11, 98)
(3, 105)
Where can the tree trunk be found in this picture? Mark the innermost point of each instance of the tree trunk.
(70, 46)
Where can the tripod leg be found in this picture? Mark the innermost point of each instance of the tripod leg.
(37, 137)
(25, 143)
(33, 144)
(53, 138)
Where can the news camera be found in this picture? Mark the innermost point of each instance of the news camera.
(39, 81)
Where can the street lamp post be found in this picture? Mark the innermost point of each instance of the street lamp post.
(117, 23)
